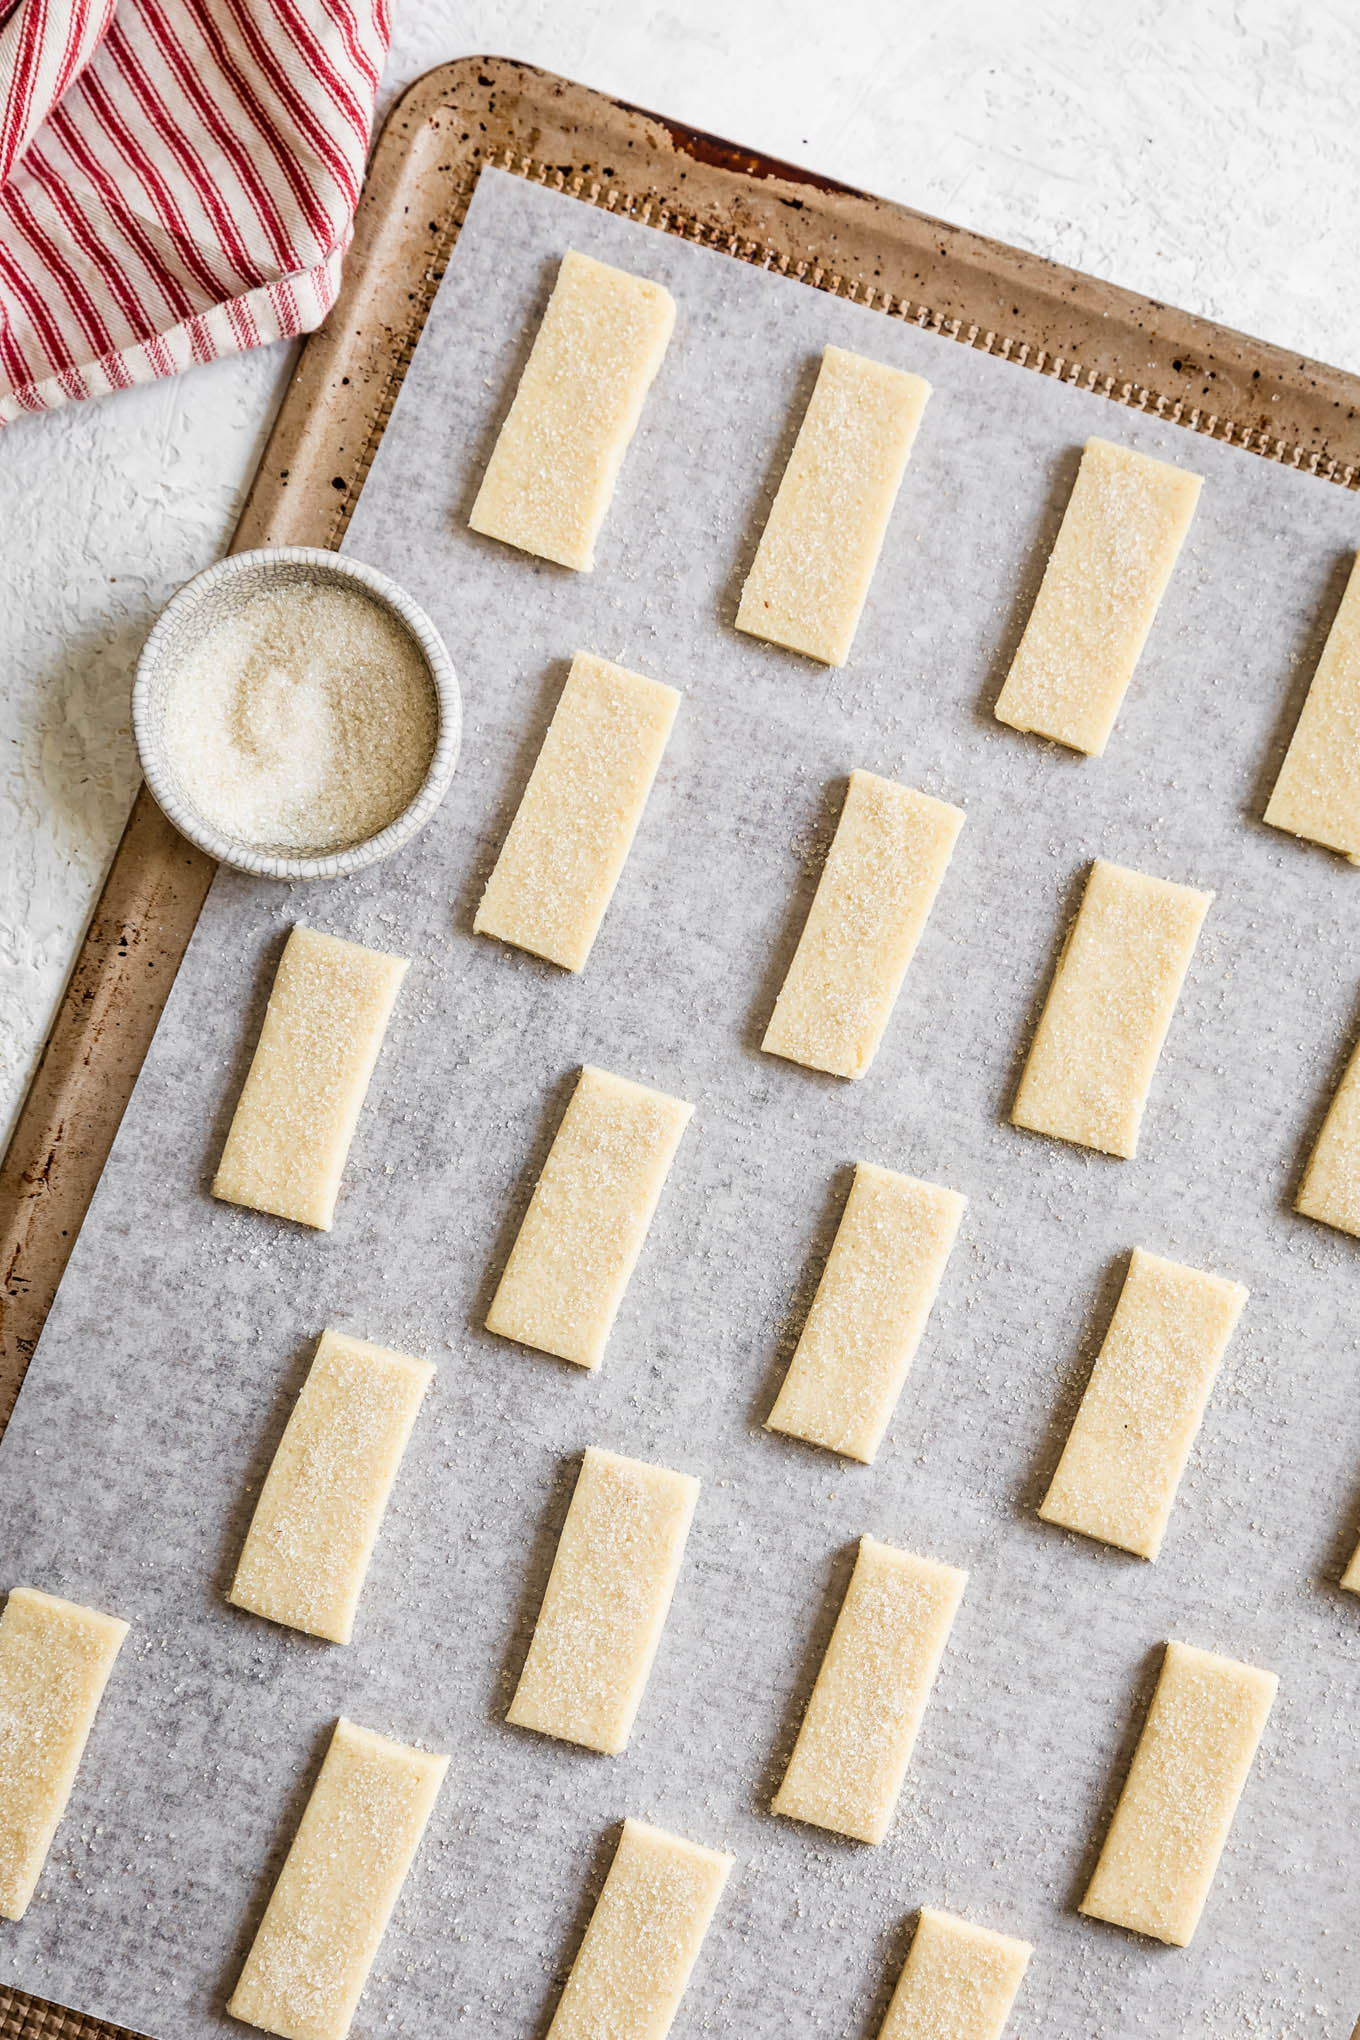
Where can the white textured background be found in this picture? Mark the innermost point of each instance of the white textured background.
(1203, 151)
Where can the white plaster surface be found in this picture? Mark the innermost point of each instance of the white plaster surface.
(1202, 151)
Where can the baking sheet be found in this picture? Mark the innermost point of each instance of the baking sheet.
(183, 1328)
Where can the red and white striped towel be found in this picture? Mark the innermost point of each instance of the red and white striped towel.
(177, 181)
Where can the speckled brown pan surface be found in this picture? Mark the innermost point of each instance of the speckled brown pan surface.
(28, 2018)
(460, 117)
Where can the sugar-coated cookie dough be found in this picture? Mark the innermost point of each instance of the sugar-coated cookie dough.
(1119, 541)
(1330, 1191)
(606, 1601)
(876, 1292)
(357, 1839)
(877, 887)
(1127, 1448)
(295, 1118)
(549, 481)
(959, 1982)
(55, 1660)
(817, 555)
(643, 1939)
(588, 1217)
(1095, 1050)
(857, 1736)
(1179, 1798)
(1317, 794)
(321, 1507)
(569, 840)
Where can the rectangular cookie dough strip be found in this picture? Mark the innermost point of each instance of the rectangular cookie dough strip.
(643, 1939)
(588, 1217)
(861, 1723)
(1121, 534)
(1127, 1448)
(299, 1106)
(1317, 794)
(606, 1601)
(550, 479)
(55, 1660)
(321, 1507)
(1330, 1191)
(574, 827)
(877, 1290)
(817, 555)
(959, 1981)
(1094, 1054)
(877, 887)
(341, 1878)
(1179, 1798)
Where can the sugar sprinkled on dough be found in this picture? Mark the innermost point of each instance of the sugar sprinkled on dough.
(321, 1508)
(959, 1981)
(340, 1880)
(551, 475)
(55, 1658)
(643, 1939)
(301, 1100)
(606, 1601)
(862, 1720)
(591, 1208)
(1317, 794)
(1108, 1010)
(870, 1309)
(1330, 1191)
(571, 834)
(305, 721)
(817, 554)
(1178, 1802)
(1120, 538)
(1127, 1449)
(884, 868)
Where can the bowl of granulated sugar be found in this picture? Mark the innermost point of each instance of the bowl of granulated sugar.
(297, 715)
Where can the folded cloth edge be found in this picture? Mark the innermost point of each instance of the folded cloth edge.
(161, 179)
(281, 310)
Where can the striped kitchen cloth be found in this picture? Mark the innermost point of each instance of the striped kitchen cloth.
(178, 181)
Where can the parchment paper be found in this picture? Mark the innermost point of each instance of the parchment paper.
(184, 1328)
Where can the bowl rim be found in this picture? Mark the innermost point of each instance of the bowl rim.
(148, 715)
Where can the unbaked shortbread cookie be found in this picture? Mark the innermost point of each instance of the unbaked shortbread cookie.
(357, 1839)
(959, 1982)
(321, 1506)
(569, 840)
(549, 482)
(1181, 1793)
(588, 1217)
(876, 1292)
(857, 1736)
(55, 1660)
(606, 1601)
(877, 887)
(300, 1104)
(1330, 1191)
(1121, 534)
(1317, 794)
(817, 555)
(1108, 1010)
(1127, 1449)
(643, 1939)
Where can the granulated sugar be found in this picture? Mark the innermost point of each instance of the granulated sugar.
(304, 722)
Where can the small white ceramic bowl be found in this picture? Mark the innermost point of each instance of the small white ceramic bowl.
(212, 597)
